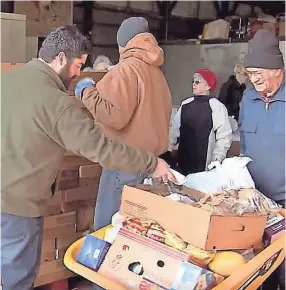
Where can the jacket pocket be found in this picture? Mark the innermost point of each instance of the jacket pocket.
(248, 127)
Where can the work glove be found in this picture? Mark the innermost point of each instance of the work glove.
(81, 85)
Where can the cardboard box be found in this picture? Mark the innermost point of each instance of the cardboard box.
(85, 218)
(52, 210)
(44, 16)
(54, 204)
(63, 243)
(51, 272)
(67, 178)
(48, 250)
(6, 66)
(194, 225)
(87, 190)
(75, 205)
(158, 262)
(59, 225)
(141, 263)
(13, 37)
(31, 48)
(90, 171)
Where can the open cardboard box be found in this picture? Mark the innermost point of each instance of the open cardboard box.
(137, 262)
(194, 225)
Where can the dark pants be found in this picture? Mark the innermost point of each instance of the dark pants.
(277, 278)
(21, 244)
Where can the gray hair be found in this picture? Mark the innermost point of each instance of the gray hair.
(67, 39)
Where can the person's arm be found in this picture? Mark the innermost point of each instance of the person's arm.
(113, 100)
(75, 132)
(222, 130)
(175, 130)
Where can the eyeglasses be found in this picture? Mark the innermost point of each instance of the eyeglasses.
(196, 82)
(257, 74)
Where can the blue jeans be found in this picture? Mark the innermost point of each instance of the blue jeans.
(109, 194)
(21, 245)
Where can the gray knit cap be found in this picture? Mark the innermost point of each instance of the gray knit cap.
(263, 51)
(131, 27)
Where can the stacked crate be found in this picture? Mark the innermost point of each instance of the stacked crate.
(69, 215)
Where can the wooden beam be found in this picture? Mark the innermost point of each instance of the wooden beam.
(88, 18)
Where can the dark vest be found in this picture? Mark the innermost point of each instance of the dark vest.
(196, 125)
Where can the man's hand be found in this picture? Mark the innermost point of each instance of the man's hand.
(81, 85)
(163, 171)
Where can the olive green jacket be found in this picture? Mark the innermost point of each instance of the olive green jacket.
(40, 121)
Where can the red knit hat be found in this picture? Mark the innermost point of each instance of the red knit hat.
(209, 77)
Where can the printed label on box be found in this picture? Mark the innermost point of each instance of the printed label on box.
(134, 209)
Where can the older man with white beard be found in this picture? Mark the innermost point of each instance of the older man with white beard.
(262, 125)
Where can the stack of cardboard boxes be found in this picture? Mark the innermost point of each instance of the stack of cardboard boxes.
(69, 214)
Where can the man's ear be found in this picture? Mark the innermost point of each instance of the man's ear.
(278, 72)
(62, 58)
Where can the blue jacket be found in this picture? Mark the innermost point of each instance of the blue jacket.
(262, 129)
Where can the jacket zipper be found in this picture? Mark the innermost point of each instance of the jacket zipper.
(266, 106)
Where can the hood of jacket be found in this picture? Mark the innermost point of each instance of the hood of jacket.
(144, 46)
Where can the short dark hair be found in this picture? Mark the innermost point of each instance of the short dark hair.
(67, 39)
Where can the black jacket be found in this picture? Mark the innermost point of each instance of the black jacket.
(230, 95)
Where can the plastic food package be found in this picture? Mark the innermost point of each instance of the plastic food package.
(93, 252)
(175, 241)
(231, 174)
(180, 179)
(238, 202)
(156, 232)
(137, 225)
(111, 234)
(199, 256)
(260, 202)
(117, 220)
(180, 198)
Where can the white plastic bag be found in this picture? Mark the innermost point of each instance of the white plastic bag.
(231, 174)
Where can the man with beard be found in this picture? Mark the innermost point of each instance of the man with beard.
(40, 121)
(262, 125)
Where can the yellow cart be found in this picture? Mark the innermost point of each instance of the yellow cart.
(249, 277)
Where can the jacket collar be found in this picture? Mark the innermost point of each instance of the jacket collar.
(279, 95)
(45, 69)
